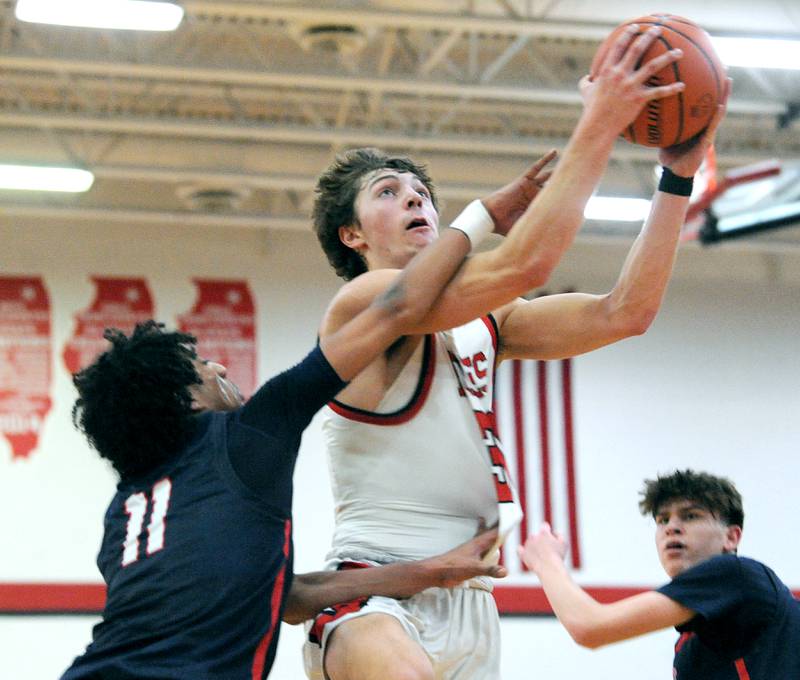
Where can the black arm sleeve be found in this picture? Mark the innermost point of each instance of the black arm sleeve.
(264, 435)
(288, 402)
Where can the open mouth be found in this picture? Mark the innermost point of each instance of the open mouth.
(674, 545)
(417, 222)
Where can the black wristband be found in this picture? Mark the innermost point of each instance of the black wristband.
(670, 183)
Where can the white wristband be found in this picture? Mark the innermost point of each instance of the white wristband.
(475, 222)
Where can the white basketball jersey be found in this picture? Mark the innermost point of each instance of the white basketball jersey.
(420, 474)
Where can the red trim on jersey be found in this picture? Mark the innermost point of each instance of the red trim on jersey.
(409, 410)
(741, 669)
(569, 455)
(491, 324)
(257, 670)
(544, 434)
(519, 442)
(682, 640)
(336, 611)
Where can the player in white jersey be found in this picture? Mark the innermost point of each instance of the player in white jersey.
(394, 499)
(405, 436)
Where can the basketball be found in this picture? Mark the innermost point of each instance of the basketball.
(674, 119)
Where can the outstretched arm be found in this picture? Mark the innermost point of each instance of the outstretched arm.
(590, 623)
(311, 593)
(565, 325)
(548, 226)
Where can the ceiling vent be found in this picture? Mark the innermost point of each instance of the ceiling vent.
(213, 199)
(342, 39)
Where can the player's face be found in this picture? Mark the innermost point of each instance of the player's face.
(396, 219)
(216, 392)
(687, 534)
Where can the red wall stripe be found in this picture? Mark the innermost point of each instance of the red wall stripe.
(569, 454)
(519, 441)
(532, 600)
(544, 436)
(52, 597)
(89, 598)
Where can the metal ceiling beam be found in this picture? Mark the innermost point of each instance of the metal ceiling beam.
(175, 218)
(332, 82)
(360, 16)
(265, 180)
(524, 147)
(465, 22)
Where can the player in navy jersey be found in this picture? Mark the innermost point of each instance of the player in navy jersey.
(197, 549)
(736, 618)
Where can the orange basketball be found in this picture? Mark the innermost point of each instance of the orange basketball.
(674, 119)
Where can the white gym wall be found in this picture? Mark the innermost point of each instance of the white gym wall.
(712, 385)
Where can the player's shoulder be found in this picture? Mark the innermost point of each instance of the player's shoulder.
(731, 568)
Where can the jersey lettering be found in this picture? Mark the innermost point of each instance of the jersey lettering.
(486, 421)
(136, 509)
(472, 374)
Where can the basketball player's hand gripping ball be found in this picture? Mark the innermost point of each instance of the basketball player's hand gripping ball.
(671, 120)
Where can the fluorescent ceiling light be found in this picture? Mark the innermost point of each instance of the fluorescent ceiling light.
(617, 209)
(138, 15)
(758, 52)
(32, 178)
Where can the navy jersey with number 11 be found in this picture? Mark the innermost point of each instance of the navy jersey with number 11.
(197, 555)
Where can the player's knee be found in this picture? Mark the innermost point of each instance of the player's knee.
(375, 647)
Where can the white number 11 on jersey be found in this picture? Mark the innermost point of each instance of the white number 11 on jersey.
(136, 509)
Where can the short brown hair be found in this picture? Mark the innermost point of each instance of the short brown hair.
(716, 494)
(335, 205)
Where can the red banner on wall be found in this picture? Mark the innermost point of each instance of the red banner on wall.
(24, 361)
(118, 303)
(223, 320)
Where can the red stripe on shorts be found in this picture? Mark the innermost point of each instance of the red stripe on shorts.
(338, 610)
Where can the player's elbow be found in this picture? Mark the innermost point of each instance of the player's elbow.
(637, 321)
(293, 618)
(629, 319)
(296, 608)
(586, 635)
(294, 612)
(535, 271)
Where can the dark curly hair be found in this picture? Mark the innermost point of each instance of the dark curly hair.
(335, 205)
(134, 404)
(716, 494)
